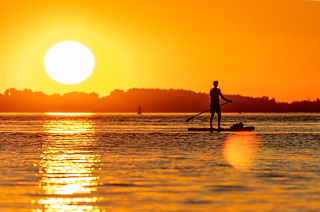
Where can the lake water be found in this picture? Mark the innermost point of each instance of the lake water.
(150, 162)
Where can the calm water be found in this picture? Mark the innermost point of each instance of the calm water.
(150, 162)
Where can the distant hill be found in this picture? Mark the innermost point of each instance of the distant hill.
(150, 100)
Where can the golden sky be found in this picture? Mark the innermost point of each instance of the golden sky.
(253, 47)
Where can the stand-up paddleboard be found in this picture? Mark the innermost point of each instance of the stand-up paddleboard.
(243, 129)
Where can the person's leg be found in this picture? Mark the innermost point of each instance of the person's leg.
(212, 111)
(219, 120)
(219, 116)
(211, 119)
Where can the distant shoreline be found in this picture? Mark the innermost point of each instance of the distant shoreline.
(149, 100)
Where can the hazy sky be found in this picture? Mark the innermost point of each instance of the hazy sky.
(253, 47)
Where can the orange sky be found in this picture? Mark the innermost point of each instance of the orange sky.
(254, 48)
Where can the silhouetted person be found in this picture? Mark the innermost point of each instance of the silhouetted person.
(215, 94)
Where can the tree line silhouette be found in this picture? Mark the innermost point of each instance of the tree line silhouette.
(150, 100)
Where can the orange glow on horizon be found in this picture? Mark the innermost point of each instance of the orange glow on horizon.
(168, 44)
(69, 114)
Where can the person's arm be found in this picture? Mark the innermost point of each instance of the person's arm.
(224, 97)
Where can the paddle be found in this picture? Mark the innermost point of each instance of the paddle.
(203, 112)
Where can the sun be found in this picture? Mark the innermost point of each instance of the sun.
(69, 62)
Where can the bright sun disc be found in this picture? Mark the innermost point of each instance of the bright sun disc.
(69, 62)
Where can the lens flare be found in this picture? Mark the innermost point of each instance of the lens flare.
(240, 150)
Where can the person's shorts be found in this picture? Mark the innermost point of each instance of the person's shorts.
(215, 108)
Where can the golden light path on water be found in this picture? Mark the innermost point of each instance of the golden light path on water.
(240, 150)
(67, 166)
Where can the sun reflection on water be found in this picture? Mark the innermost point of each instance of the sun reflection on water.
(68, 166)
(240, 150)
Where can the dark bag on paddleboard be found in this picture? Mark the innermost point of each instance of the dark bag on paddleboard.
(237, 126)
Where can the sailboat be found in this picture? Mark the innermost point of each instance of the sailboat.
(139, 111)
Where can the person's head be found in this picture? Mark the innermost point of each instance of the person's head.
(215, 84)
